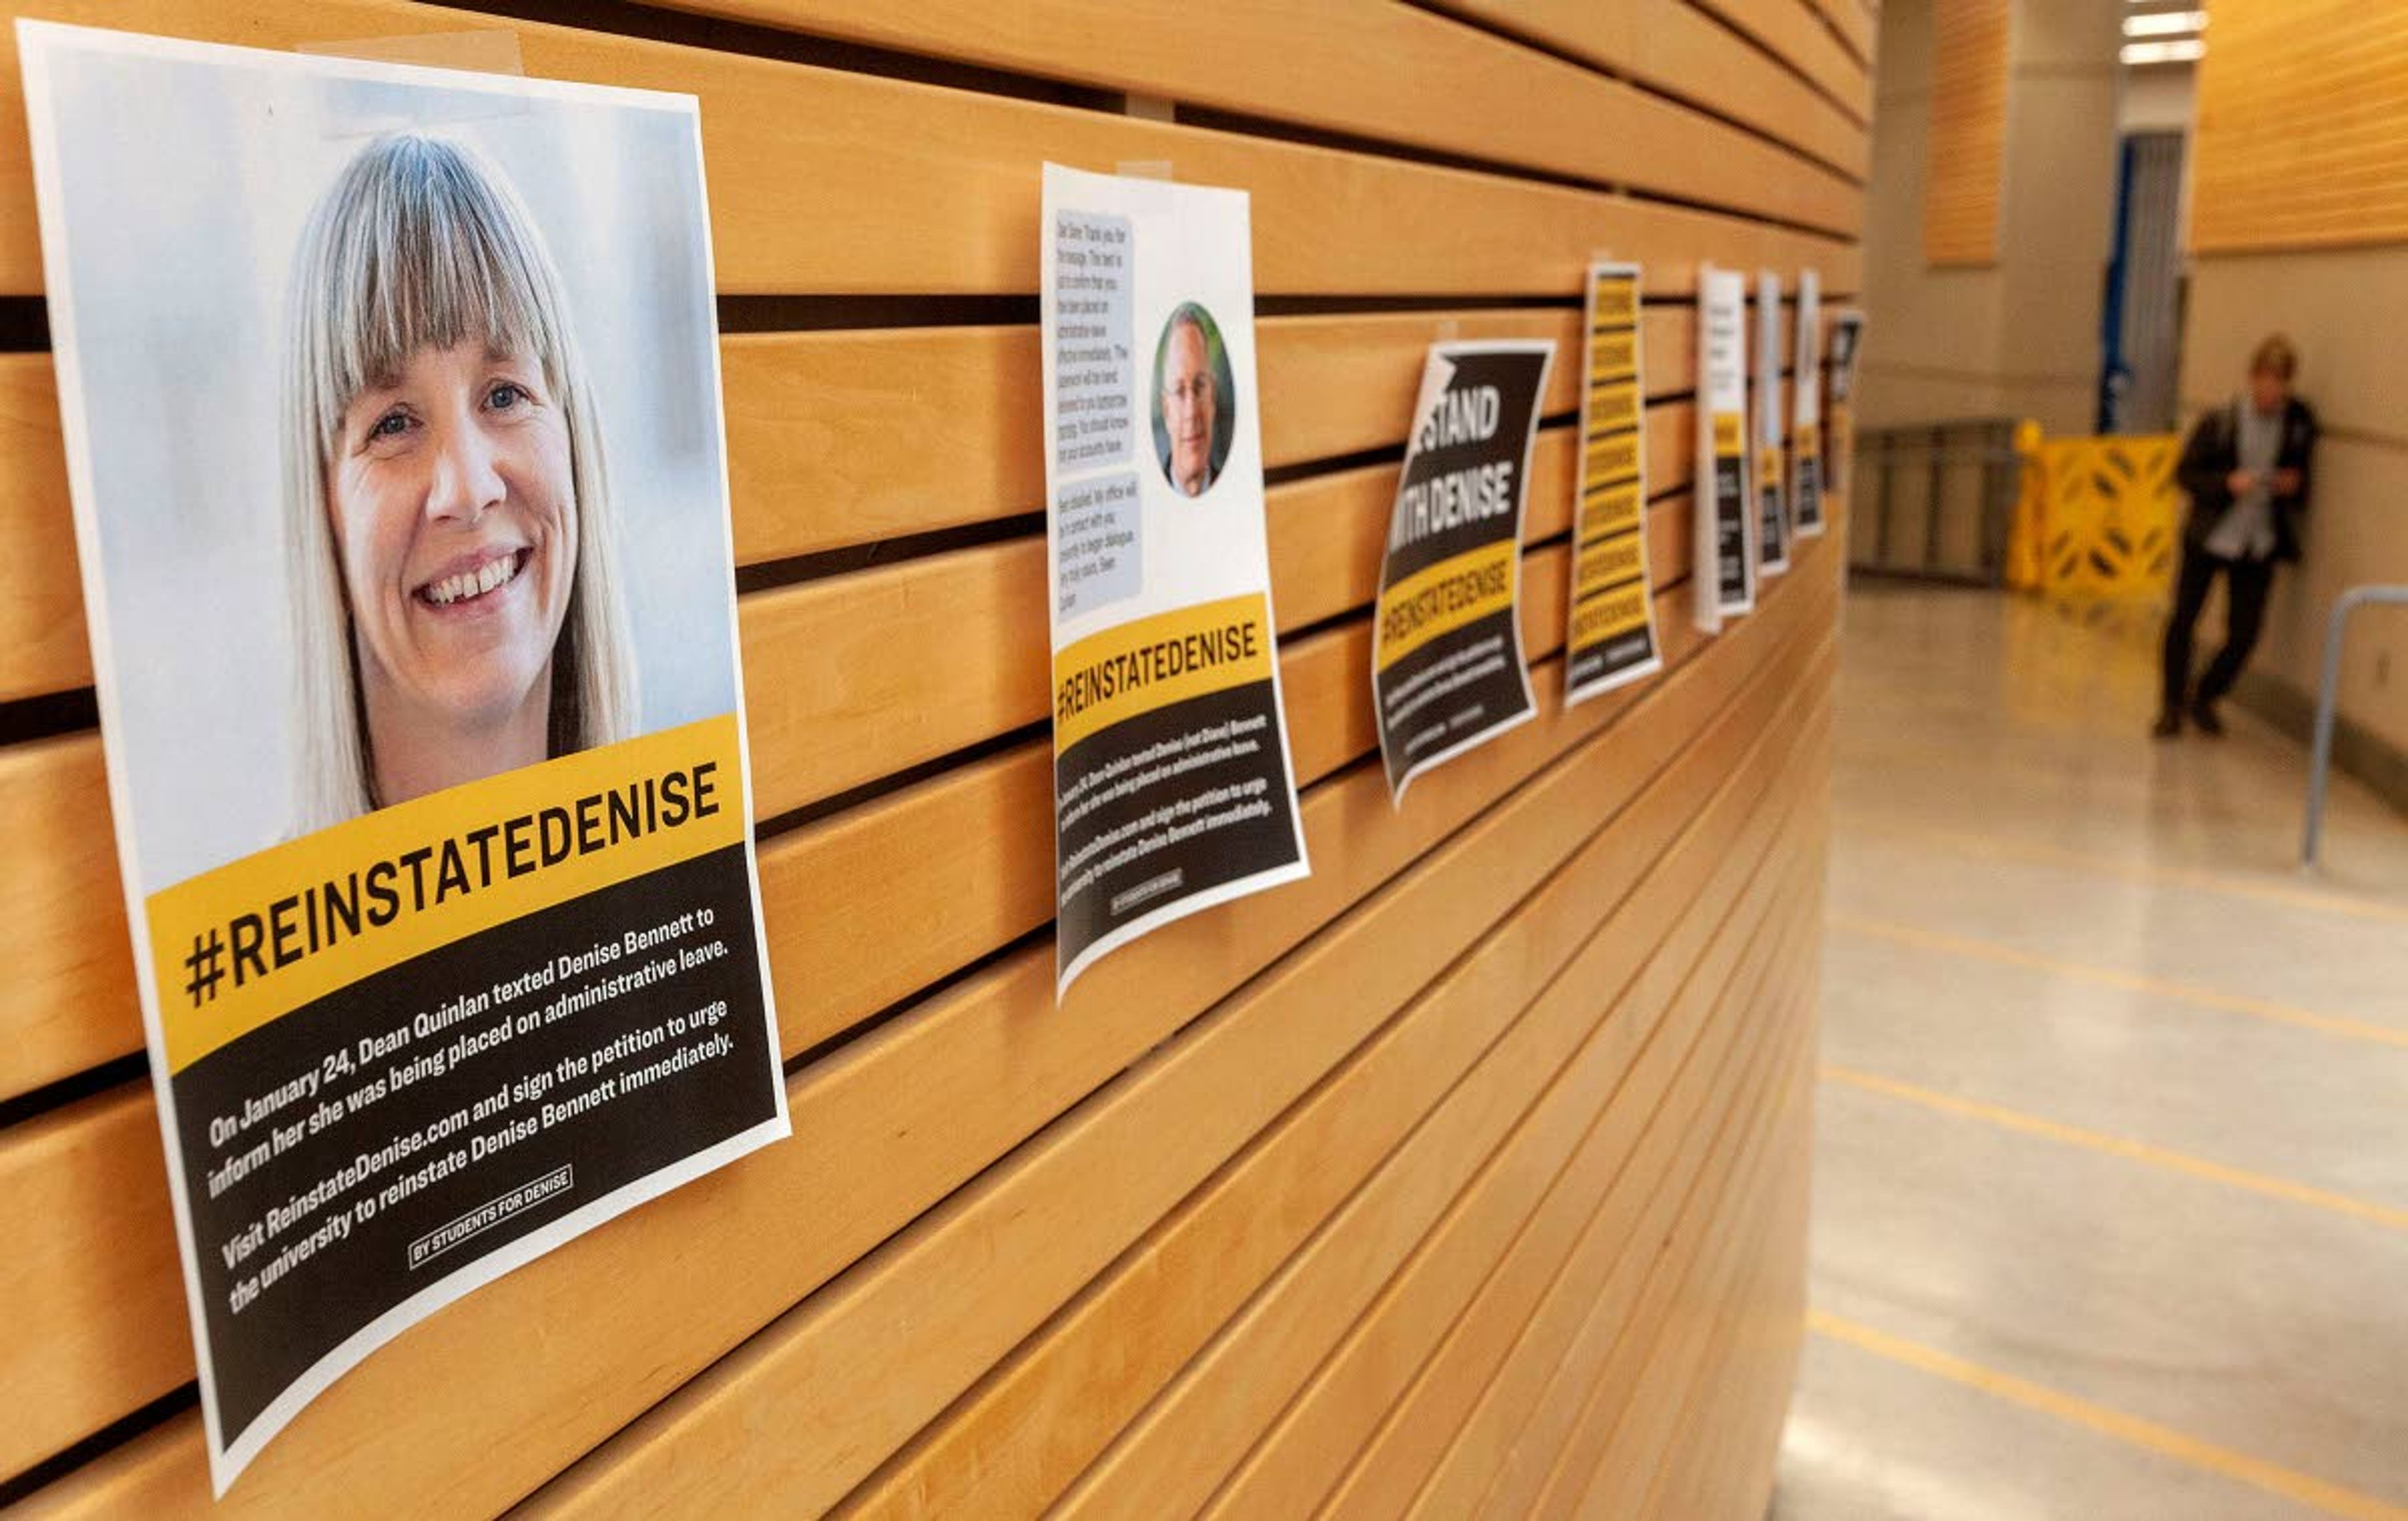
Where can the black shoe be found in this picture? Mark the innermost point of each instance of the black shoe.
(2168, 725)
(2203, 714)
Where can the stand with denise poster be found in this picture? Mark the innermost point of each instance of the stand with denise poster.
(1447, 670)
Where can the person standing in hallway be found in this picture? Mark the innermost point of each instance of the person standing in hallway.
(2246, 470)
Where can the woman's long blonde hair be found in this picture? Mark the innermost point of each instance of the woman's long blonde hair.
(421, 244)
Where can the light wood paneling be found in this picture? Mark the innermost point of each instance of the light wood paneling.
(1799, 38)
(783, 1221)
(1965, 149)
(1464, 1176)
(806, 1370)
(927, 191)
(1673, 46)
(1367, 68)
(2299, 138)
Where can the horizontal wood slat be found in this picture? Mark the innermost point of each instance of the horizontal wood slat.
(920, 190)
(1368, 68)
(1965, 149)
(1650, 1126)
(1476, 1391)
(1854, 25)
(1673, 46)
(1495, 1465)
(1795, 35)
(1758, 1337)
(1626, 1429)
(1176, 1454)
(2299, 142)
(781, 1223)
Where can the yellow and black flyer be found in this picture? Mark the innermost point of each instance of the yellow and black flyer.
(1727, 523)
(1772, 498)
(1173, 785)
(1806, 411)
(1840, 433)
(391, 402)
(1447, 670)
(1611, 637)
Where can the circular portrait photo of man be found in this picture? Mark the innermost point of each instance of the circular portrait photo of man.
(1194, 401)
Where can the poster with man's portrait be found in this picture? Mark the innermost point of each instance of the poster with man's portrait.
(391, 399)
(1173, 787)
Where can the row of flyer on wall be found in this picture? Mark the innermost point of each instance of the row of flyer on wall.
(408, 565)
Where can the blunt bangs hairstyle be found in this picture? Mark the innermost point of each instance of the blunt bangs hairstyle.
(421, 244)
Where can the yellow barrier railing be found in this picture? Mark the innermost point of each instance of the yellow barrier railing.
(2097, 519)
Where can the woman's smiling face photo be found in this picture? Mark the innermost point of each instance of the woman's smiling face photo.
(457, 602)
(452, 506)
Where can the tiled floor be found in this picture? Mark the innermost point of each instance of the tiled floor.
(2110, 1193)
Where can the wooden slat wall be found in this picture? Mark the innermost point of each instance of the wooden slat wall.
(1465, 1177)
(1965, 152)
(2302, 124)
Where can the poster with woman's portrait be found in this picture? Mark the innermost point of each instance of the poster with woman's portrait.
(391, 399)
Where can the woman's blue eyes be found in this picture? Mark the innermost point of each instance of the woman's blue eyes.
(502, 396)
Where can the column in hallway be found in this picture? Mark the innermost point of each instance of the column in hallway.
(2018, 335)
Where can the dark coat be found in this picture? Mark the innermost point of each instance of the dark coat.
(2213, 453)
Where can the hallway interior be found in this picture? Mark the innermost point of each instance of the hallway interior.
(2109, 1195)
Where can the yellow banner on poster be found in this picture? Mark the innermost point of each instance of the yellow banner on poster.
(1115, 675)
(1612, 508)
(1615, 404)
(1615, 301)
(1439, 599)
(1616, 612)
(239, 947)
(1603, 563)
(1612, 458)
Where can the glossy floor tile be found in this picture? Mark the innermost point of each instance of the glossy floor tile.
(2111, 1188)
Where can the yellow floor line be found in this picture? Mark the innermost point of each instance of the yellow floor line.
(2332, 1499)
(2206, 998)
(2136, 1150)
(2015, 850)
